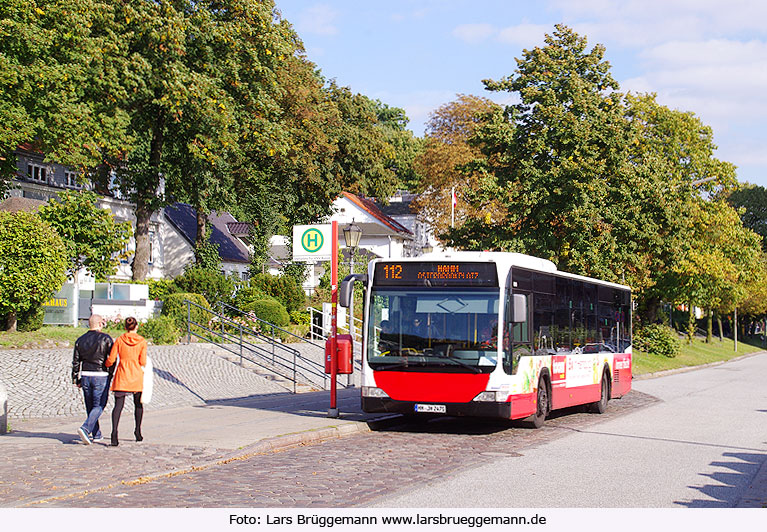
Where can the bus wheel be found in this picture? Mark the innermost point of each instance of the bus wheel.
(542, 407)
(600, 406)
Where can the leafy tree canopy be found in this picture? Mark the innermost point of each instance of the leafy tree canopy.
(92, 238)
(33, 262)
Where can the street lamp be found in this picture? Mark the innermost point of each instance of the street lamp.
(352, 235)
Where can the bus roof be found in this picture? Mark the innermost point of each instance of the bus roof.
(507, 260)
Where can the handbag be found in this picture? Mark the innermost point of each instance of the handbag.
(146, 394)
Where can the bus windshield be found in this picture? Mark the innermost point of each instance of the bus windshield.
(433, 329)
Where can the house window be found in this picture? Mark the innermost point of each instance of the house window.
(71, 179)
(244, 276)
(35, 172)
(151, 247)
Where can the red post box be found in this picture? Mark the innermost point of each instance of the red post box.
(344, 346)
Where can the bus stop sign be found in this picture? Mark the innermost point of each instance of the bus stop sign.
(312, 243)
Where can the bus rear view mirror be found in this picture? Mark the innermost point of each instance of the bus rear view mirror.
(519, 308)
(347, 288)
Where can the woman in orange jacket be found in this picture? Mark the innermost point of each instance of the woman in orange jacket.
(129, 375)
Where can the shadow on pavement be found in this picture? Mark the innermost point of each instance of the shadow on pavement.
(66, 438)
(728, 485)
(311, 404)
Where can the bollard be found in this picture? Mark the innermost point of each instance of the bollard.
(3, 410)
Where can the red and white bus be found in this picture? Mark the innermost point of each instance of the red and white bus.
(490, 334)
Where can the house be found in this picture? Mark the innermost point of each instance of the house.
(225, 232)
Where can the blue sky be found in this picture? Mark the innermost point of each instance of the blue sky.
(704, 56)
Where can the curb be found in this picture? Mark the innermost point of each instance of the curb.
(3, 410)
(685, 369)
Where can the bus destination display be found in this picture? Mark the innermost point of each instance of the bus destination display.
(435, 274)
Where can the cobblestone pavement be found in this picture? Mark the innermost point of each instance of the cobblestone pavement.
(39, 385)
(344, 472)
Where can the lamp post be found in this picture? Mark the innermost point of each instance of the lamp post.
(352, 235)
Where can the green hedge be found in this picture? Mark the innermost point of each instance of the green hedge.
(214, 286)
(270, 310)
(247, 294)
(283, 288)
(174, 307)
(161, 330)
(658, 340)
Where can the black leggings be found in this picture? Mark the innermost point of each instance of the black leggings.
(138, 413)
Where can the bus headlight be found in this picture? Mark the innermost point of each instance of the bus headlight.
(491, 397)
(372, 391)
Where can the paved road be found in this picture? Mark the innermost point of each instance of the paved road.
(343, 472)
(700, 446)
(217, 452)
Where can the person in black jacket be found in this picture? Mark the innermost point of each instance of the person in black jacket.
(89, 373)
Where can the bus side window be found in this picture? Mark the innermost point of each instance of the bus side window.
(516, 340)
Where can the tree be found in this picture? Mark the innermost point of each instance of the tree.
(33, 263)
(442, 165)
(553, 159)
(55, 64)
(363, 162)
(603, 184)
(198, 82)
(92, 238)
(752, 202)
(722, 258)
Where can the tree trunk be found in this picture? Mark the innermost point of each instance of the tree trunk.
(709, 325)
(10, 324)
(145, 199)
(141, 257)
(719, 323)
(202, 232)
(691, 324)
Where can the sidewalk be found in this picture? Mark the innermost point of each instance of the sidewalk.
(272, 420)
(205, 409)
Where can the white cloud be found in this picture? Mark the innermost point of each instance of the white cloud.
(721, 80)
(524, 35)
(649, 22)
(319, 20)
(474, 33)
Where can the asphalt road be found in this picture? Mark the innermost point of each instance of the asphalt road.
(699, 446)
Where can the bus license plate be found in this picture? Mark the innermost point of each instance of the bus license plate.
(433, 409)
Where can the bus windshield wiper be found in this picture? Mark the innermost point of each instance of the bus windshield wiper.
(452, 359)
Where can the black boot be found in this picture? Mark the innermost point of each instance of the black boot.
(137, 433)
(115, 443)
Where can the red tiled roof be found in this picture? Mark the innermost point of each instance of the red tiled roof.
(371, 208)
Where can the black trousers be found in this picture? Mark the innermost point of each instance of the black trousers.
(138, 413)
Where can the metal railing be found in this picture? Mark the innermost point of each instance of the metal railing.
(316, 317)
(252, 343)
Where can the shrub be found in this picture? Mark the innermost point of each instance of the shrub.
(174, 307)
(214, 286)
(300, 317)
(159, 289)
(30, 320)
(271, 311)
(657, 340)
(248, 294)
(161, 330)
(284, 289)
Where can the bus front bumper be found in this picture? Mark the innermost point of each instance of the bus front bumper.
(473, 408)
